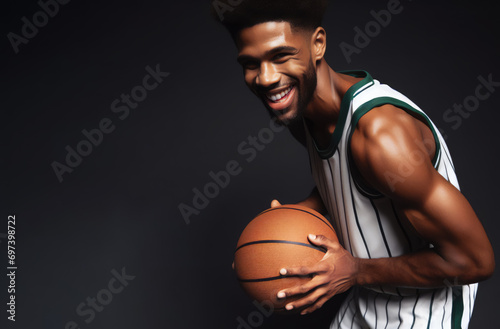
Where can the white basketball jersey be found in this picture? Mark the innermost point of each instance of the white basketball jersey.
(367, 224)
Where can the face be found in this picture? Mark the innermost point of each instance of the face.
(278, 68)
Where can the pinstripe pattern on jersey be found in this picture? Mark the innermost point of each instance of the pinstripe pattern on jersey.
(369, 226)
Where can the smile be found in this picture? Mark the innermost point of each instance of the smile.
(279, 97)
(280, 100)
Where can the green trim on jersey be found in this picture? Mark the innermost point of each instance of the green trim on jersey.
(376, 102)
(457, 309)
(344, 110)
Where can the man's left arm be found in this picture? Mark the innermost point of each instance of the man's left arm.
(460, 253)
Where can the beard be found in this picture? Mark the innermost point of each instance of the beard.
(305, 94)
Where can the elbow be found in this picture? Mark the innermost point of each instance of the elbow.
(485, 270)
(478, 269)
(486, 264)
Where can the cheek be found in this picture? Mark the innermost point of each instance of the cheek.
(296, 68)
(249, 77)
(301, 66)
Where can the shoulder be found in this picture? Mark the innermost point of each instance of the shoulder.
(385, 119)
(385, 128)
(387, 146)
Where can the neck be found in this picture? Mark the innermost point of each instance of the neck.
(324, 109)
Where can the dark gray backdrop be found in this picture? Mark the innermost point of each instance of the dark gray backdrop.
(119, 207)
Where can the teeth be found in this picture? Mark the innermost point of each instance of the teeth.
(279, 96)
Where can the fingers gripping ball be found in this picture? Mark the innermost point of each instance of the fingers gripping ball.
(275, 239)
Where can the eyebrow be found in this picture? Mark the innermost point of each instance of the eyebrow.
(270, 52)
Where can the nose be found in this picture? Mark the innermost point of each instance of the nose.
(267, 75)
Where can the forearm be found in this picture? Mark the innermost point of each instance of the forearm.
(314, 201)
(424, 269)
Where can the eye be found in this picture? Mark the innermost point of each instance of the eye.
(280, 57)
(250, 65)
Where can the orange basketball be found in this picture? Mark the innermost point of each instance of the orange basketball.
(275, 239)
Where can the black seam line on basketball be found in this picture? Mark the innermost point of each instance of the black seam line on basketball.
(291, 208)
(310, 213)
(282, 241)
(262, 279)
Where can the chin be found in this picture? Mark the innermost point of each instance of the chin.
(289, 118)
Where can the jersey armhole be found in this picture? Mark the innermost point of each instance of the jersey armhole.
(365, 108)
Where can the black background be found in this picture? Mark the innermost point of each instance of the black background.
(119, 207)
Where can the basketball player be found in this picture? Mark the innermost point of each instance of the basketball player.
(411, 246)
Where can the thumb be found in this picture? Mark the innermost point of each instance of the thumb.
(322, 241)
(275, 203)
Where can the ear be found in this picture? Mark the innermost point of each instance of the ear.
(318, 44)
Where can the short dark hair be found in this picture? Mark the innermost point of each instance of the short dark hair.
(236, 15)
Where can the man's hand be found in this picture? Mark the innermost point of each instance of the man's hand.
(334, 274)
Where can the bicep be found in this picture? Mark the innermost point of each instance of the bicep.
(390, 158)
(443, 217)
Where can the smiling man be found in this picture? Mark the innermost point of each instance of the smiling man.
(411, 247)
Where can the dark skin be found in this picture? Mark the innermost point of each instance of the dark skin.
(277, 58)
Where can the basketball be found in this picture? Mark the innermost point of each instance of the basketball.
(275, 239)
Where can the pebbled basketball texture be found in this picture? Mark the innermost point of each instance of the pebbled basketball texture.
(274, 239)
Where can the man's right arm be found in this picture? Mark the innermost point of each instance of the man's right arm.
(314, 201)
